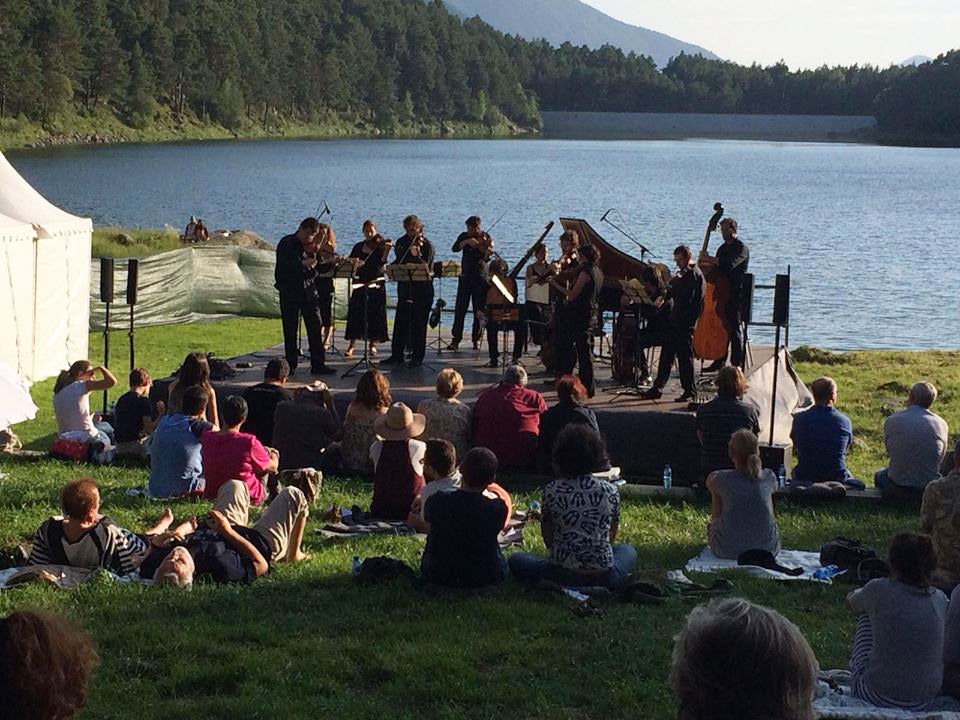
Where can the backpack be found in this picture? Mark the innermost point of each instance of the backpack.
(75, 450)
(846, 554)
(377, 569)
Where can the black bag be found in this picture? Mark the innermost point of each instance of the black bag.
(846, 554)
(377, 569)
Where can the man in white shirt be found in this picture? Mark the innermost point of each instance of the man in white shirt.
(916, 440)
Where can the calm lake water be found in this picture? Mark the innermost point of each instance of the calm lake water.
(869, 232)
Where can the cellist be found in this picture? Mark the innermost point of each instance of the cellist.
(686, 290)
(732, 261)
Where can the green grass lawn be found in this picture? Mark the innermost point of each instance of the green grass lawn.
(306, 642)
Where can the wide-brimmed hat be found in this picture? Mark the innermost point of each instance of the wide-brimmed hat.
(399, 423)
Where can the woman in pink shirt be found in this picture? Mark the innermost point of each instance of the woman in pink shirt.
(229, 454)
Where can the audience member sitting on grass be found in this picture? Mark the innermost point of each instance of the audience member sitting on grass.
(462, 549)
(307, 430)
(447, 417)
(569, 410)
(940, 518)
(897, 657)
(224, 549)
(397, 463)
(581, 517)
(821, 438)
(262, 400)
(229, 454)
(176, 464)
(720, 418)
(506, 419)
(45, 665)
(371, 401)
(741, 502)
(195, 370)
(440, 474)
(83, 538)
(737, 661)
(71, 402)
(133, 416)
(916, 440)
(951, 647)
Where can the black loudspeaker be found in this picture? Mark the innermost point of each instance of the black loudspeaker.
(781, 301)
(746, 298)
(106, 280)
(133, 279)
(773, 456)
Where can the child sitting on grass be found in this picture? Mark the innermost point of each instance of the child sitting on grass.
(897, 658)
(462, 549)
(134, 418)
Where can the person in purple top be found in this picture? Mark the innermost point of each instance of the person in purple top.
(821, 438)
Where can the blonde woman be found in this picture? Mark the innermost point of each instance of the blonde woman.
(326, 256)
(447, 417)
(741, 511)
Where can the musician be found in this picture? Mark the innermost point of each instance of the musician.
(414, 299)
(731, 262)
(477, 247)
(656, 316)
(326, 267)
(293, 275)
(686, 290)
(537, 294)
(495, 301)
(578, 319)
(367, 313)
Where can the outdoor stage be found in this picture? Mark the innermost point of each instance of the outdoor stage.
(642, 435)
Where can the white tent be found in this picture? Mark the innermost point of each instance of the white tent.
(44, 280)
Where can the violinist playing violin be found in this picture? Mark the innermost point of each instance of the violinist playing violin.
(367, 314)
(579, 318)
(477, 247)
(414, 299)
(326, 253)
(732, 262)
(686, 290)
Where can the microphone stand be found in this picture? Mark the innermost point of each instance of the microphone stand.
(644, 250)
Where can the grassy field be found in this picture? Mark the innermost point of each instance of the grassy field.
(306, 641)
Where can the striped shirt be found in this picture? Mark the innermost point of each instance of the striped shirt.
(717, 420)
(102, 546)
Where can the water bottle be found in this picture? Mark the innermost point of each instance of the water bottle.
(667, 477)
(781, 477)
(357, 564)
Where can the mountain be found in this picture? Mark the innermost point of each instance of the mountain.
(916, 60)
(559, 21)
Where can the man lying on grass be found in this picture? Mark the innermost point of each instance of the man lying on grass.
(224, 549)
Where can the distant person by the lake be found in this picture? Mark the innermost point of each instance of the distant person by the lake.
(916, 440)
(45, 665)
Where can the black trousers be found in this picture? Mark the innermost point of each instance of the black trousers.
(519, 336)
(733, 323)
(648, 338)
(575, 347)
(678, 344)
(414, 301)
(291, 309)
(471, 289)
(536, 321)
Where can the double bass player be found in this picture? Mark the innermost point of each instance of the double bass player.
(731, 262)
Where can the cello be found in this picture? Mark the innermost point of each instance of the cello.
(710, 338)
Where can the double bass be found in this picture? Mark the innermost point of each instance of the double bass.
(710, 338)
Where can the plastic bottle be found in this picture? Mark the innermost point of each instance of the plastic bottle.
(781, 477)
(667, 477)
(357, 564)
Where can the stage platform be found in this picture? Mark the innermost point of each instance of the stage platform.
(642, 435)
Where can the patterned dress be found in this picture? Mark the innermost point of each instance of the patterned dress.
(582, 511)
(447, 420)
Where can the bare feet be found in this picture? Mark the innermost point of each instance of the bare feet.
(373, 349)
(348, 352)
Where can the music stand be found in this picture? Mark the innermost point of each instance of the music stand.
(410, 273)
(502, 313)
(442, 269)
(364, 362)
(343, 269)
(634, 295)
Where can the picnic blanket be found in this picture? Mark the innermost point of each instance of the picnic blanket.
(61, 576)
(707, 562)
(840, 704)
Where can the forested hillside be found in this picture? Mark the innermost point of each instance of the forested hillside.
(407, 66)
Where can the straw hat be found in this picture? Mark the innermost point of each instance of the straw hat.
(399, 423)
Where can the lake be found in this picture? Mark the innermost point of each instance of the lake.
(869, 232)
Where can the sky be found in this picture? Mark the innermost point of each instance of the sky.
(803, 33)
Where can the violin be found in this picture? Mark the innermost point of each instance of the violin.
(485, 245)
